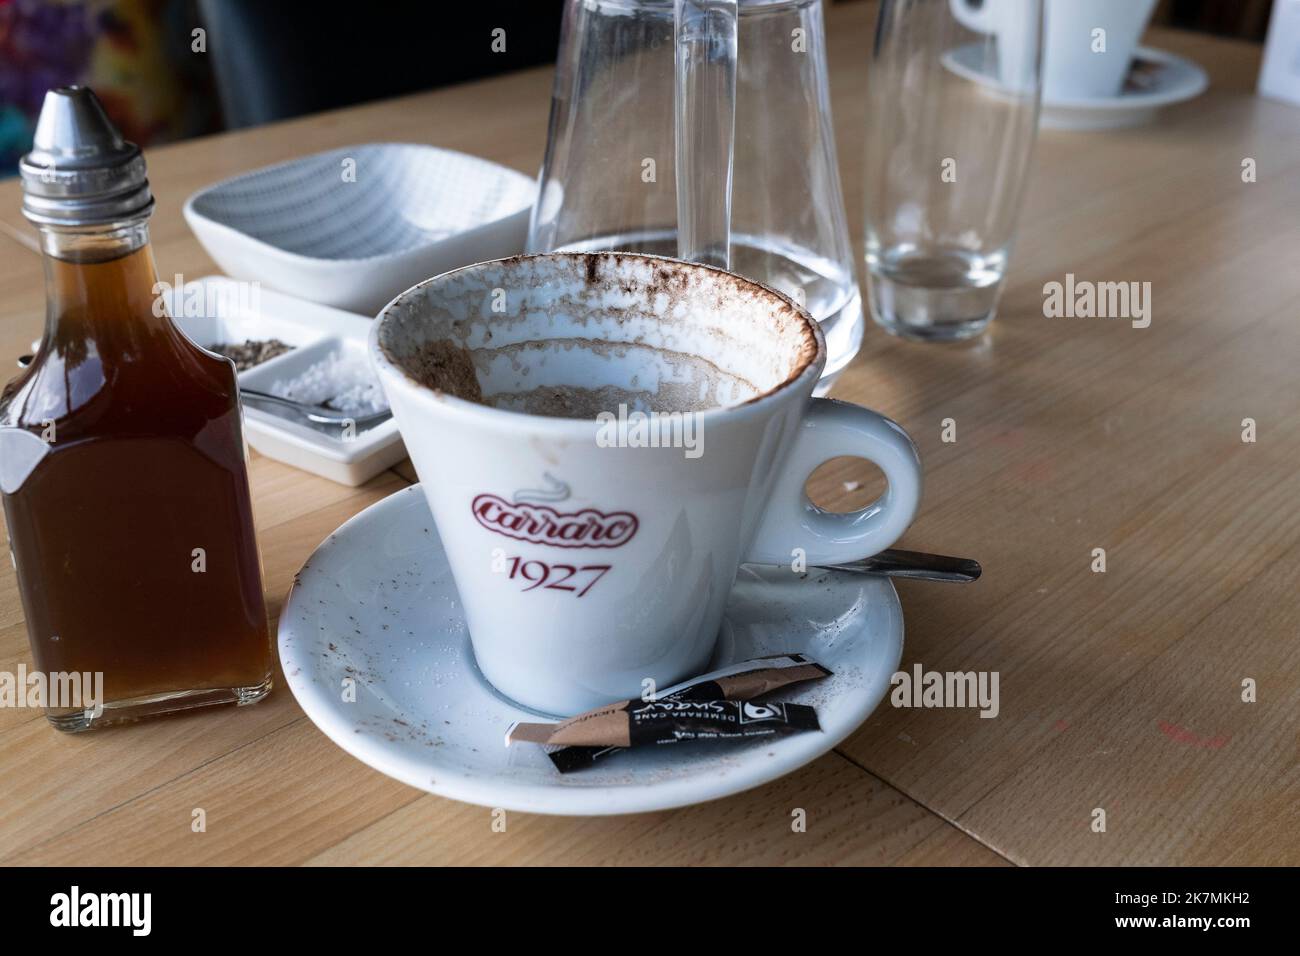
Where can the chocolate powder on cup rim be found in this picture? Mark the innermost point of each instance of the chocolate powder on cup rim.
(446, 367)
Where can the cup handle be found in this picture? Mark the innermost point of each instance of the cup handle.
(830, 429)
(978, 18)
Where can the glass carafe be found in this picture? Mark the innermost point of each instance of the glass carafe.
(610, 179)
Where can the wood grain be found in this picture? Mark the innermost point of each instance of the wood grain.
(1120, 691)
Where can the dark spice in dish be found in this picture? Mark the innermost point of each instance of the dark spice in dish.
(252, 352)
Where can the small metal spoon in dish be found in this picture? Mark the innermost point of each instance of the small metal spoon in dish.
(320, 414)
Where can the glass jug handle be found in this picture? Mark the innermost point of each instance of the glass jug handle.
(705, 123)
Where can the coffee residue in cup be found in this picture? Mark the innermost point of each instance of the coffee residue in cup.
(447, 367)
(574, 401)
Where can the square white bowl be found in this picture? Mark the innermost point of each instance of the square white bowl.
(353, 227)
(217, 310)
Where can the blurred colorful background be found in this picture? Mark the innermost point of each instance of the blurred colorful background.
(136, 54)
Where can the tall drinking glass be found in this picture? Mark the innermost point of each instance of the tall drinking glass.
(952, 119)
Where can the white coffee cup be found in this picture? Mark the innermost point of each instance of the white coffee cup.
(1078, 61)
(587, 566)
(1016, 24)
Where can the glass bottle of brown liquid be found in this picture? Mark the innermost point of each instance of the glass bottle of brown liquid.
(122, 460)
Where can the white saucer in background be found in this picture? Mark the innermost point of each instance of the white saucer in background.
(376, 603)
(1156, 79)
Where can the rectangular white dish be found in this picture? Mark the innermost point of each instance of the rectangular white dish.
(216, 310)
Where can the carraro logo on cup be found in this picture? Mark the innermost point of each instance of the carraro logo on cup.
(542, 524)
(530, 516)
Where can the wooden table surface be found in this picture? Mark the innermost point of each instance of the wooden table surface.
(1120, 691)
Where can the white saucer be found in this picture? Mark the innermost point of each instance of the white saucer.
(376, 602)
(1156, 79)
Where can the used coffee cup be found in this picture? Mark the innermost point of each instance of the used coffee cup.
(602, 439)
(1087, 47)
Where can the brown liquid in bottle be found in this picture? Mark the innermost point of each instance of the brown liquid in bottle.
(133, 535)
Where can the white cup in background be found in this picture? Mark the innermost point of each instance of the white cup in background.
(1008, 21)
(1073, 66)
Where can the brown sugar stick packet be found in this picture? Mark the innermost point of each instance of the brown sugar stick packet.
(608, 729)
(742, 681)
(665, 721)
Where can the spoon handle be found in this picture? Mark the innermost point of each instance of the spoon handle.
(266, 398)
(315, 413)
(916, 565)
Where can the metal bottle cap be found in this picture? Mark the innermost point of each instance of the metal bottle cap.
(80, 171)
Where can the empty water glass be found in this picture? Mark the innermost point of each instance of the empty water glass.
(952, 119)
